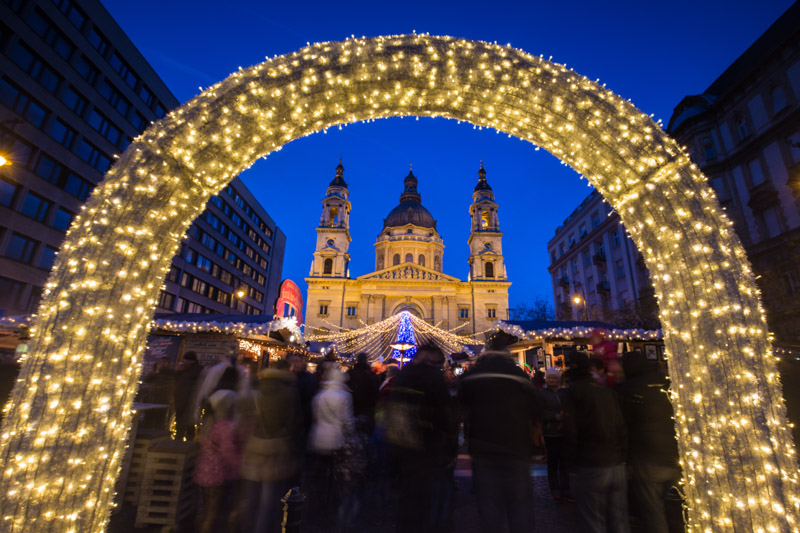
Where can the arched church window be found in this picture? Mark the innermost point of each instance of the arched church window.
(421, 260)
(485, 219)
(327, 267)
(437, 263)
(380, 262)
(396, 260)
(334, 217)
(489, 270)
(409, 258)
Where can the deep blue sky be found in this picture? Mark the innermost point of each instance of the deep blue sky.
(652, 53)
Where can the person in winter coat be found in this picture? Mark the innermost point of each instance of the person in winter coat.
(186, 377)
(364, 385)
(218, 462)
(501, 408)
(271, 454)
(595, 441)
(553, 401)
(333, 422)
(605, 349)
(652, 446)
(422, 434)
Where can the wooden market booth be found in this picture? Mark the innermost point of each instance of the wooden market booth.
(542, 342)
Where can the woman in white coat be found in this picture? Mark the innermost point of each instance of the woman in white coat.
(333, 421)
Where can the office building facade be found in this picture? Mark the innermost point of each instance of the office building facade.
(74, 92)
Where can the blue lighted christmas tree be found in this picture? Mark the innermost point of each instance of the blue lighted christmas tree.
(405, 333)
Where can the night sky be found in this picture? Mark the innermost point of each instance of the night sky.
(652, 53)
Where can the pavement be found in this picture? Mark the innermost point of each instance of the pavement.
(550, 516)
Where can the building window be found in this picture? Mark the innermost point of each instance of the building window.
(61, 133)
(20, 248)
(93, 156)
(8, 192)
(595, 220)
(327, 267)
(35, 207)
(396, 260)
(97, 40)
(741, 128)
(708, 148)
(587, 258)
(718, 184)
(48, 258)
(552, 257)
(771, 222)
(756, 172)
(463, 312)
(491, 312)
(323, 309)
(166, 300)
(74, 101)
(86, 69)
(421, 260)
(615, 239)
(620, 268)
(409, 258)
(437, 263)
(22, 104)
(574, 266)
(13, 291)
(489, 270)
(778, 98)
(351, 310)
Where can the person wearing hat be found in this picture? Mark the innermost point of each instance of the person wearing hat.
(501, 408)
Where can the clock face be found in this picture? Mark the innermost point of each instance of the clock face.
(330, 242)
(488, 246)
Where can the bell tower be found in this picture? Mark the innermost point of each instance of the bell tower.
(485, 238)
(331, 258)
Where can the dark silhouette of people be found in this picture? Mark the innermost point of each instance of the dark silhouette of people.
(186, 377)
(595, 443)
(652, 447)
(554, 399)
(501, 407)
(422, 436)
(364, 385)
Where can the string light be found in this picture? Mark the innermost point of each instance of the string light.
(63, 439)
(578, 332)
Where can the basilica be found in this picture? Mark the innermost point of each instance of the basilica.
(408, 266)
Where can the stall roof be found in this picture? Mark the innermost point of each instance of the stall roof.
(240, 325)
(572, 329)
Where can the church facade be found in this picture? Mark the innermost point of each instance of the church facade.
(408, 266)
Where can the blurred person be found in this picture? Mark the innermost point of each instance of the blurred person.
(227, 374)
(364, 385)
(605, 349)
(598, 370)
(553, 400)
(652, 446)
(333, 422)
(186, 378)
(501, 408)
(595, 444)
(219, 460)
(422, 433)
(306, 388)
(271, 454)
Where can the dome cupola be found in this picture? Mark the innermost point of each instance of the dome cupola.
(410, 209)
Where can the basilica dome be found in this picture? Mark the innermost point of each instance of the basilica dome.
(410, 210)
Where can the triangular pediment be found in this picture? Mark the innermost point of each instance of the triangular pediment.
(408, 272)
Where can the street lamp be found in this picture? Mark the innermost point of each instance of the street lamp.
(402, 347)
(3, 160)
(577, 300)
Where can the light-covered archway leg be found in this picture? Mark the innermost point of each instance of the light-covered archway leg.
(67, 423)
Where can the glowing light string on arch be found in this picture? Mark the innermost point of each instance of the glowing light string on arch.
(63, 438)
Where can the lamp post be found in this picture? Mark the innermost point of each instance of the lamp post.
(578, 300)
(402, 347)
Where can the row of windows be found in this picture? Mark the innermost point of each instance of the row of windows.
(223, 275)
(463, 312)
(249, 211)
(23, 249)
(241, 224)
(13, 294)
(614, 236)
(62, 177)
(205, 289)
(228, 255)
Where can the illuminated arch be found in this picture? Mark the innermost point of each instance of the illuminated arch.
(64, 434)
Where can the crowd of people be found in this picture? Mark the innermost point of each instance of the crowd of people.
(368, 437)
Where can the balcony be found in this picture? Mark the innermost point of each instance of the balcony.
(563, 281)
(598, 258)
(603, 287)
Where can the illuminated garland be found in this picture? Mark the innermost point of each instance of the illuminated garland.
(63, 439)
(578, 332)
(240, 329)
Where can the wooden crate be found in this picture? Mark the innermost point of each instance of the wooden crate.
(145, 440)
(168, 494)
